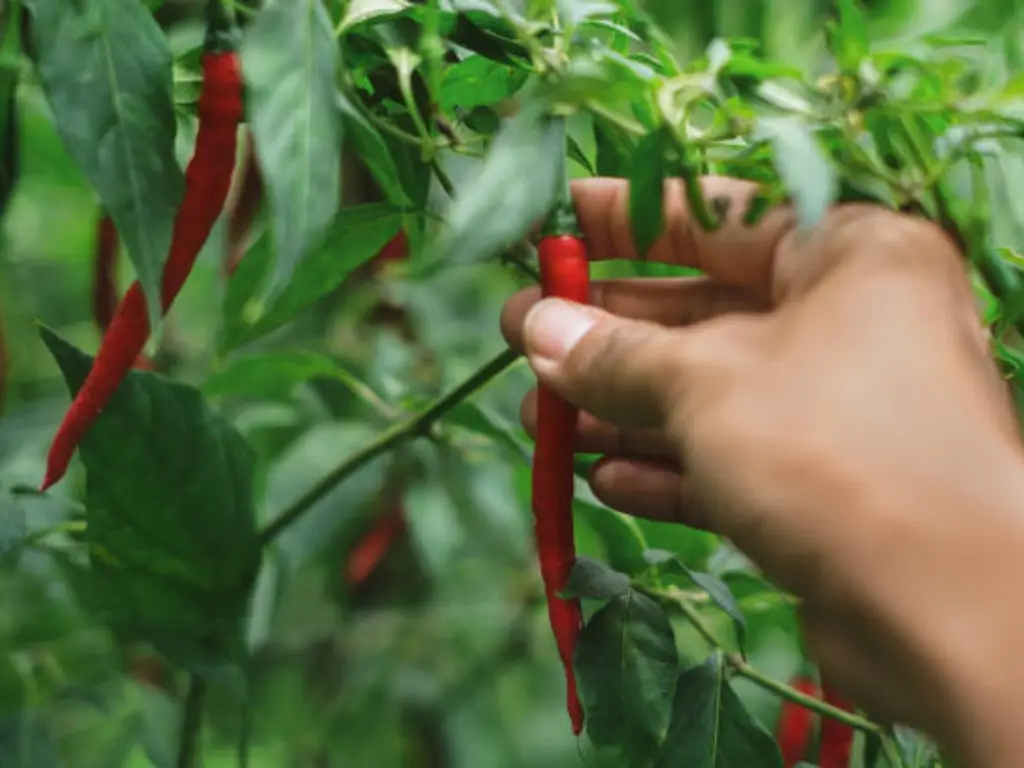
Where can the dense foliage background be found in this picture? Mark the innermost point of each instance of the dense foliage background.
(443, 656)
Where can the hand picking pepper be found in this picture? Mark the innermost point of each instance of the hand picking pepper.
(207, 182)
(565, 273)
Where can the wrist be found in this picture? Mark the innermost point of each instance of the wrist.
(969, 630)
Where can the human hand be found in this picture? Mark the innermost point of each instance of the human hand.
(829, 404)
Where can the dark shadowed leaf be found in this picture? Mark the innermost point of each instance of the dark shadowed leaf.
(13, 525)
(371, 148)
(169, 510)
(710, 726)
(614, 150)
(359, 11)
(627, 667)
(592, 579)
(106, 70)
(357, 234)
(806, 172)
(515, 187)
(27, 740)
(647, 190)
(290, 58)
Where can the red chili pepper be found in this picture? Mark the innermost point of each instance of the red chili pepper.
(369, 553)
(565, 273)
(396, 249)
(104, 286)
(207, 182)
(796, 724)
(836, 737)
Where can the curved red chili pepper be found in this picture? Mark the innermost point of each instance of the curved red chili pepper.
(796, 724)
(836, 737)
(565, 273)
(207, 182)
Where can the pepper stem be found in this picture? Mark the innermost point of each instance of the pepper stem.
(222, 33)
(561, 219)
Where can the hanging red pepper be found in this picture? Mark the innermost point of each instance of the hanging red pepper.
(104, 285)
(396, 249)
(836, 737)
(796, 724)
(207, 182)
(374, 546)
(565, 273)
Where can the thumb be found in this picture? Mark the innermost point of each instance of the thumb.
(629, 372)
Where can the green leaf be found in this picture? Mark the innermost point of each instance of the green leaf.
(290, 58)
(849, 38)
(371, 148)
(806, 172)
(710, 726)
(359, 11)
(13, 526)
(627, 666)
(362, 230)
(276, 374)
(614, 150)
(478, 82)
(106, 70)
(623, 539)
(169, 514)
(591, 579)
(515, 188)
(715, 588)
(647, 191)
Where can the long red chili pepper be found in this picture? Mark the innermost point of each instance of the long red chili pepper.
(836, 737)
(565, 273)
(796, 724)
(104, 285)
(207, 181)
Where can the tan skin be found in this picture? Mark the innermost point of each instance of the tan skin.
(829, 404)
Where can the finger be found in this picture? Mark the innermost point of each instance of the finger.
(596, 436)
(673, 302)
(733, 253)
(626, 372)
(650, 489)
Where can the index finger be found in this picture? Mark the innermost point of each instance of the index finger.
(734, 253)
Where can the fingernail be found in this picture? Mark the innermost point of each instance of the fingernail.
(553, 328)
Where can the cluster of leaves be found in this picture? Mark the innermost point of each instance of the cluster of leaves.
(190, 533)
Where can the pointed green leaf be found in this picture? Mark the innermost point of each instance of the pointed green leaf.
(371, 148)
(614, 150)
(591, 579)
(106, 70)
(290, 58)
(710, 726)
(627, 666)
(515, 188)
(647, 191)
(357, 234)
(715, 588)
(850, 40)
(169, 510)
(806, 172)
(359, 11)
(478, 82)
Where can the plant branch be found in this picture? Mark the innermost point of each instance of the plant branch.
(191, 723)
(413, 427)
(740, 667)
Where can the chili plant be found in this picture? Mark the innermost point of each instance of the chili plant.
(321, 496)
